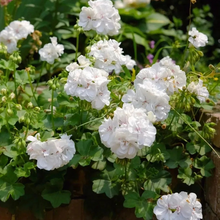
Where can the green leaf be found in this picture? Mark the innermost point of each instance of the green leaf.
(186, 175)
(99, 165)
(15, 190)
(143, 205)
(57, 198)
(157, 152)
(160, 181)
(131, 12)
(21, 77)
(205, 165)
(178, 158)
(8, 65)
(156, 21)
(105, 186)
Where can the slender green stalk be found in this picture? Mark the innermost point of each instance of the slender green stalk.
(38, 80)
(77, 45)
(16, 93)
(32, 88)
(52, 118)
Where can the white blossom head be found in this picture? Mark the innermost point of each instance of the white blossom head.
(101, 17)
(89, 84)
(51, 154)
(109, 56)
(178, 206)
(21, 29)
(51, 51)
(197, 39)
(127, 132)
(199, 90)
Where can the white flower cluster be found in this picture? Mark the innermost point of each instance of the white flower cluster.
(198, 89)
(101, 16)
(108, 56)
(154, 85)
(178, 206)
(15, 31)
(131, 3)
(51, 154)
(51, 51)
(129, 131)
(197, 39)
(88, 83)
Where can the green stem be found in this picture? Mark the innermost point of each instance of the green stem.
(38, 80)
(32, 88)
(16, 93)
(52, 118)
(77, 45)
(26, 132)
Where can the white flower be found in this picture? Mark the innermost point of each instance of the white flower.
(166, 74)
(51, 154)
(178, 206)
(21, 29)
(8, 39)
(197, 38)
(51, 51)
(101, 16)
(15, 31)
(109, 56)
(128, 131)
(198, 89)
(150, 97)
(83, 62)
(89, 84)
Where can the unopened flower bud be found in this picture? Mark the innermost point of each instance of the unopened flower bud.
(53, 87)
(1, 110)
(50, 82)
(12, 96)
(18, 107)
(200, 53)
(3, 91)
(21, 119)
(211, 67)
(27, 121)
(37, 109)
(63, 80)
(30, 105)
(4, 99)
(57, 85)
(10, 112)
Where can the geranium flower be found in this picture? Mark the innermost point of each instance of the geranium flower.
(51, 154)
(198, 89)
(101, 16)
(197, 38)
(50, 52)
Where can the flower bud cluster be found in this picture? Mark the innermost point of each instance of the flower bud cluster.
(15, 57)
(101, 17)
(15, 31)
(178, 206)
(51, 154)
(127, 132)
